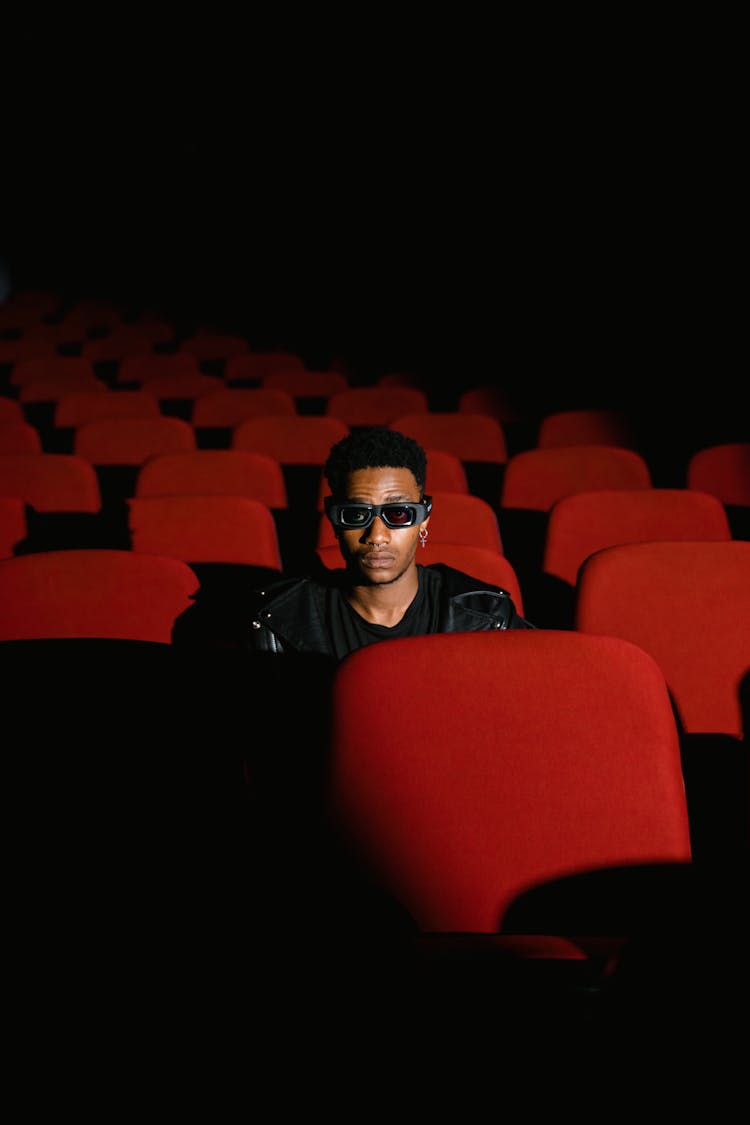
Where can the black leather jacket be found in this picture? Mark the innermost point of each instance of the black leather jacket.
(290, 615)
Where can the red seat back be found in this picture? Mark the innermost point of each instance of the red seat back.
(536, 478)
(517, 758)
(205, 529)
(586, 522)
(93, 593)
(470, 437)
(688, 605)
(202, 472)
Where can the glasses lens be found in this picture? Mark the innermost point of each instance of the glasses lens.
(398, 515)
(354, 515)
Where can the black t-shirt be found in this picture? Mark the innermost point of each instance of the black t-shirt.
(350, 631)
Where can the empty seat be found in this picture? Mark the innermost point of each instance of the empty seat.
(138, 368)
(181, 385)
(688, 605)
(94, 593)
(118, 447)
(206, 529)
(252, 367)
(375, 406)
(470, 437)
(227, 407)
(10, 410)
(19, 437)
(48, 368)
(535, 478)
(228, 472)
(125, 340)
(130, 441)
(16, 351)
(544, 759)
(12, 525)
(586, 522)
(305, 384)
(76, 407)
(64, 497)
(586, 427)
(89, 315)
(291, 440)
(301, 444)
(50, 482)
(724, 471)
(491, 400)
(54, 387)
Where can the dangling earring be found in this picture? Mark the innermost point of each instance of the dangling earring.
(423, 533)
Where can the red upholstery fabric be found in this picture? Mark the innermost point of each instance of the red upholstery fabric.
(299, 440)
(13, 527)
(51, 367)
(93, 593)
(232, 405)
(375, 406)
(51, 482)
(10, 410)
(77, 407)
(722, 470)
(19, 437)
(491, 400)
(127, 339)
(183, 384)
(254, 366)
(536, 478)
(15, 351)
(581, 524)
(688, 605)
(586, 427)
(229, 472)
(306, 384)
(131, 441)
(471, 437)
(445, 472)
(472, 767)
(53, 387)
(148, 365)
(205, 529)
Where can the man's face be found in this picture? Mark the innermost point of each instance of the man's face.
(381, 554)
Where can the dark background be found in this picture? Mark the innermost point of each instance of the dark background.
(554, 206)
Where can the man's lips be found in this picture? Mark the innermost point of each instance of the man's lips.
(377, 559)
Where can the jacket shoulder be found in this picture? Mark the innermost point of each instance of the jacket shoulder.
(462, 594)
(453, 581)
(286, 591)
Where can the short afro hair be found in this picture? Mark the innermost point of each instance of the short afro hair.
(374, 447)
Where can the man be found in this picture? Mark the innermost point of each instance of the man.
(381, 516)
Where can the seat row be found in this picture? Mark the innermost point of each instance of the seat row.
(684, 604)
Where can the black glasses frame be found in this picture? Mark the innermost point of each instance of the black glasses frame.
(419, 511)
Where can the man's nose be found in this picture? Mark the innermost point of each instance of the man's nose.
(377, 532)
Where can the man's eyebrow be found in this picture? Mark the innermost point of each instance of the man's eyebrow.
(399, 498)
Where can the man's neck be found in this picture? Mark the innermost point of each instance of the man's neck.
(385, 604)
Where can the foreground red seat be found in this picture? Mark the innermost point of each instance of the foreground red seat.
(538, 759)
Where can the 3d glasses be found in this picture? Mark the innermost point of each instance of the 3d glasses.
(351, 516)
